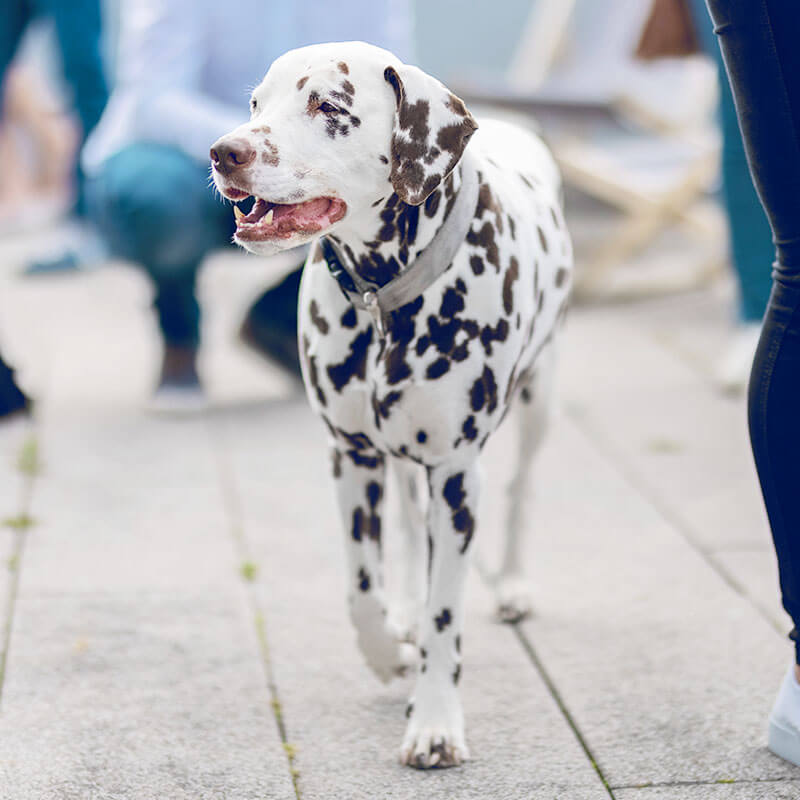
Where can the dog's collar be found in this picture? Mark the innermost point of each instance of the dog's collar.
(423, 271)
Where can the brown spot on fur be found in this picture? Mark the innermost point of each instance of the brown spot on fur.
(302, 82)
(270, 154)
(512, 273)
(319, 321)
(312, 106)
(348, 87)
(343, 68)
(542, 238)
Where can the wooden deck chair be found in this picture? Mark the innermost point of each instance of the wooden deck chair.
(635, 135)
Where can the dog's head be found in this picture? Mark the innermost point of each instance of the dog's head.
(332, 129)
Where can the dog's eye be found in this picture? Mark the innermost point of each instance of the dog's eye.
(327, 108)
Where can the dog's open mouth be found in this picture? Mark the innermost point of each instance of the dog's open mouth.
(281, 221)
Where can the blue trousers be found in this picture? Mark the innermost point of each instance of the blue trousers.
(759, 41)
(153, 206)
(750, 235)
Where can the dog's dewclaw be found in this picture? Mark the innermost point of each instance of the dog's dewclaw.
(238, 213)
(268, 218)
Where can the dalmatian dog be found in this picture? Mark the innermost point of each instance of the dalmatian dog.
(371, 160)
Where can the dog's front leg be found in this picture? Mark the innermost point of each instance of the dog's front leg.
(435, 733)
(360, 477)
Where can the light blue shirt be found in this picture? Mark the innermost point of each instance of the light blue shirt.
(186, 67)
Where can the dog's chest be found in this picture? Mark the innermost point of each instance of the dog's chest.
(452, 359)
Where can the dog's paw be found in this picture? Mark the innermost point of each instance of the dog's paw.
(387, 655)
(433, 746)
(514, 599)
(434, 737)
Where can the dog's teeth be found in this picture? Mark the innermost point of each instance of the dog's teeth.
(238, 213)
(268, 217)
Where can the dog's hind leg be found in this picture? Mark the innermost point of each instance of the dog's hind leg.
(532, 410)
(405, 611)
(360, 477)
(435, 733)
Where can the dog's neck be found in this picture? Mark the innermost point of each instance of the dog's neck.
(383, 243)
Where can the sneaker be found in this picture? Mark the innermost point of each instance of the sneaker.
(732, 372)
(270, 326)
(179, 389)
(783, 737)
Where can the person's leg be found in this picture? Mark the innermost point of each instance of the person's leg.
(78, 28)
(152, 205)
(759, 43)
(13, 20)
(750, 237)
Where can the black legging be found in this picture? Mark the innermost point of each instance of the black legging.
(760, 41)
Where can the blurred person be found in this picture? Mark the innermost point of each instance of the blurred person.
(750, 236)
(185, 69)
(759, 45)
(38, 148)
(77, 27)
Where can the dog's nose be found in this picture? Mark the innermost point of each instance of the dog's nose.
(229, 155)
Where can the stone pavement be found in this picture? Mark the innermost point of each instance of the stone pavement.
(171, 590)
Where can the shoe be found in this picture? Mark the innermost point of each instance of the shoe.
(179, 389)
(732, 372)
(270, 326)
(783, 736)
(13, 401)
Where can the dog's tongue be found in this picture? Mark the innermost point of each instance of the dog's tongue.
(270, 220)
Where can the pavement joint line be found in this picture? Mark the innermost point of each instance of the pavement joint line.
(619, 462)
(232, 505)
(538, 665)
(28, 466)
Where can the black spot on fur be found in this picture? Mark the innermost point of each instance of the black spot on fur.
(422, 437)
(363, 580)
(453, 491)
(437, 368)
(497, 334)
(561, 276)
(468, 428)
(355, 364)
(358, 524)
(456, 674)
(348, 319)
(476, 262)
(409, 710)
(402, 329)
(484, 391)
(443, 619)
(337, 463)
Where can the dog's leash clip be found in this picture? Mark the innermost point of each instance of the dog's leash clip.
(372, 305)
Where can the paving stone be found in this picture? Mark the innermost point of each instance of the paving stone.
(756, 571)
(134, 695)
(346, 726)
(766, 790)
(134, 667)
(682, 442)
(668, 673)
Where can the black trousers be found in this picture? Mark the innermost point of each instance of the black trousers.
(760, 41)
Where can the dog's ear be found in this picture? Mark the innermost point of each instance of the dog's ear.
(431, 129)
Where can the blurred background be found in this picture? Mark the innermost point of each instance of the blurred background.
(626, 95)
